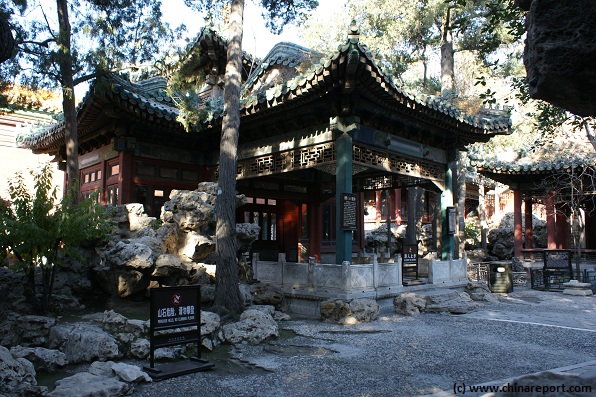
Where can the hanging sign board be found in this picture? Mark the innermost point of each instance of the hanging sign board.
(348, 211)
(172, 308)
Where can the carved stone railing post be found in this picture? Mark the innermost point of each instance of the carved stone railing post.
(311, 271)
(346, 276)
(375, 271)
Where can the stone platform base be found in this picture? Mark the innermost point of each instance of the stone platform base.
(308, 303)
(574, 287)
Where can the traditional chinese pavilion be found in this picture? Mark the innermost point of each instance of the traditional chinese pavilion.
(530, 176)
(316, 133)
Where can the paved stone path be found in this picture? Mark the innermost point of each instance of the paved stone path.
(587, 324)
(520, 333)
(525, 306)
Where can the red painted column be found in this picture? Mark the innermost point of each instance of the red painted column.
(562, 228)
(398, 207)
(125, 180)
(378, 203)
(314, 243)
(517, 222)
(529, 237)
(550, 220)
(361, 240)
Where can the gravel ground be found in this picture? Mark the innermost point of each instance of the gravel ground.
(403, 356)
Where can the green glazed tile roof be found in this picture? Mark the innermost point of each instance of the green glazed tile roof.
(351, 67)
(563, 152)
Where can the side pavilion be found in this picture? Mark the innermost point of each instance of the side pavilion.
(316, 132)
(542, 176)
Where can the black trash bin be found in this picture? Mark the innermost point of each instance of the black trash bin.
(500, 278)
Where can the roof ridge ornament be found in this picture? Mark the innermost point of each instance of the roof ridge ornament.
(353, 33)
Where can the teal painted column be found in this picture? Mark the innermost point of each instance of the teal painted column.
(447, 237)
(343, 184)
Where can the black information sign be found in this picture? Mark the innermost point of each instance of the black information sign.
(409, 261)
(349, 212)
(175, 307)
(171, 308)
(410, 254)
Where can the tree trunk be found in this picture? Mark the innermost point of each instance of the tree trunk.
(590, 134)
(482, 216)
(447, 59)
(412, 209)
(577, 226)
(68, 99)
(7, 43)
(228, 301)
(461, 203)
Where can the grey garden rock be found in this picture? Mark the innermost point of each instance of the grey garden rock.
(44, 360)
(168, 353)
(349, 312)
(266, 294)
(85, 384)
(210, 329)
(101, 368)
(246, 294)
(334, 310)
(130, 373)
(15, 372)
(269, 309)
(409, 304)
(116, 323)
(364, 310)
(12, 288)
(35, 330)
(140, 348)
(26, 330)
(254, 326)
(281, 316)
(449, 301)
(84, 343)
(210, 323)
(438, 301)
(479, 292)
(131, 255)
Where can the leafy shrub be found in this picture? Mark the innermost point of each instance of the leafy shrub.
(40, 233)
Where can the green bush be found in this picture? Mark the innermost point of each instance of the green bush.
(472, 232)
(40, 233)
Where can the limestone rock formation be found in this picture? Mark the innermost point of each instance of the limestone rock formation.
(560, 52)
(87, 384)
(16, 374)
(408, 304)
(500, 237)
(439, 301)
(177, 250)
(25, 330)
(83, 343)
(254, 327)
(44, 360)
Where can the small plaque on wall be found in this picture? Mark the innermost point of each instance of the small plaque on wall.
(451, 220)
